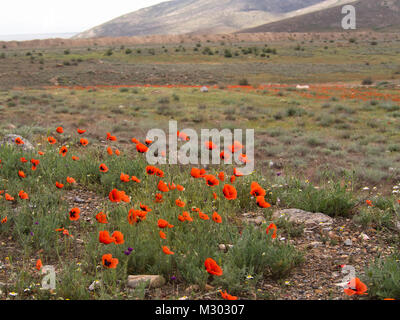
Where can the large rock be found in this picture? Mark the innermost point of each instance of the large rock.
(301, 216)
(9, 139)
(154, 281)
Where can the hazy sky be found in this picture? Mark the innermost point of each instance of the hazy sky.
(55, 16)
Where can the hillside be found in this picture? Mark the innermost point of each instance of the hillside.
(377, 15)
(204, 16)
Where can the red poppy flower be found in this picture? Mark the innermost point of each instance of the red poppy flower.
(84, 142)
(159, 173)
(179, 203)
(369, 203)
(60, 129)
(164, 224)
(117, 152)
(71, 180)
(257, 190)
(237, 173)
(262, 203)
(224, 156)
(74, 214)
(75, 158)
(356, 287)
(233, 179)
(211, 180)
(133, 178)
(115, 196)
(227, 296)
(151, 170)
(159, 198)
(19, 141)
(40, 153)
(163, 235)
(167, 251)
(118, 236)
(8, 197)
(110, 137)
(272, 226)
(215, 196)
(230, 192)
(212, 267)
(103, 168)
(162, 186)
(183, 136)
(80, 131)
(203, 216)
(216, 217)
(148, 142)
(59, 185)
(180, 188)
(21, 174)
(125, 177)
(109, 151)
(144, 208)
(109, 262)
(23, 160)
(221, 176)
(63, 151)
(4, 220)
(237, 146)
(51, 140)
(140, 147)
(101, 217)
(23, 195)
(135, 141)
(104, 237)
(171, 186)
(39, 264)
(197, 173)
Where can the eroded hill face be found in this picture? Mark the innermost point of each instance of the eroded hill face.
(204, 16)
(378, 15)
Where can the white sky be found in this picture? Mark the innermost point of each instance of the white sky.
(55, 16)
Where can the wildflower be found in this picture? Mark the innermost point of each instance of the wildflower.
(4, 220)
(80, 131)
(216, 217)
(74, 158)
(262, 203)
(180, 188)
(230, 192)
(167, 251)
(39, 264)
(203, 216)
(356, 287)
(162, 235)
(272, 226)
(109, 262)
(210, 145)
(23, 195)
(63, 151)
(164, 224)
(118, 236)
(104, 237)
(9, 197)
(141, 148)
(124, 177)
(257, 190)
(162, 186)
(60, 129)
(71, 180)
(369, 203)
(221, 176)
(84, 142)
(227, 296)
(197, 173)
(179, 203)
(19, 141)
(159, 197)
(224, 156)
(211, 180)
(59, 185)
(135, 179)
(101, 217)
(74, 214)
(110, 137)
(21, 174)
(212, 267)
(51, 140)
(117, 152)
(233, 178)
(109, 151)
(23, 160)
(103, 168)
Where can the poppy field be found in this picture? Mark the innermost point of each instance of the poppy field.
(84, 200)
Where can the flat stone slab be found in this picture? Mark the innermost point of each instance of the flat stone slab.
(301, 216)
(154, 281)
(9, 139)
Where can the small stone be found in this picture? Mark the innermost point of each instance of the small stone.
(154, 281)
(79, 200)
(314, 244)
(222, 247)
(348, 242)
